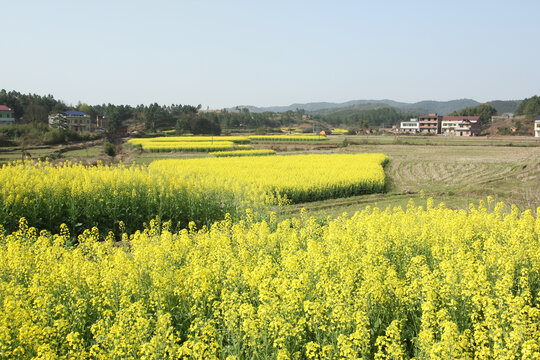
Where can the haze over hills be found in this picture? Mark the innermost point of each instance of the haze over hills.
(426, 106)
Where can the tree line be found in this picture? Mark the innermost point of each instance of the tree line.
(34, 109)
(364, 119)
(484, 111)
(529, 107)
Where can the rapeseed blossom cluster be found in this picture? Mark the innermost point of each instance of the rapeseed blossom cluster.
(191, 143)
(258, 152)
(234, 139)
(337, 131)
(199, 190)
(215, 143)
(270, 179)
(85, 196)
(421, 282)
(189, 146)
(288, 138)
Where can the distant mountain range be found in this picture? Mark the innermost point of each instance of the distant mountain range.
(426, 106)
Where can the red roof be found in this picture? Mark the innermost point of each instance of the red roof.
(459, 118)
(4, 108)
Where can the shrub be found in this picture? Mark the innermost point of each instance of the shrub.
(54, 136)
(109, 148)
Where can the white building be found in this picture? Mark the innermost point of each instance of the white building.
(412, 126)
(7, 116)
(461, 125)
(72, 120)
(537, 127)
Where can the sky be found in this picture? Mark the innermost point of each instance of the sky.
(266, 53)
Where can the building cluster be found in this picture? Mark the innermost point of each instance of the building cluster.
(428, 124)
(67, 120)
(447, 125)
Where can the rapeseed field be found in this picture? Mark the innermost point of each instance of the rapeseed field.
(198, 190)
(425, 282)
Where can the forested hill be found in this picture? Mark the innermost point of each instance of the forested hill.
(440, 107)
(382, 116)
(372, 115)
(426, 106)
(502, 106)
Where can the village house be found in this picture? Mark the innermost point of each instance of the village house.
(461, 125)
(410, 126)
(71, 120)
(537, 127)
(7, 116)
(430, 123)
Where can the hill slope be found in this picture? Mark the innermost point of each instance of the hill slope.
(505, 106)
(440, 107)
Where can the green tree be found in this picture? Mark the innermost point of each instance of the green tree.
(182, 126)
(203, 126)
(58, 108)
(35, 113)
(185, 117)
(529, 107)
(114, 119)
(87, 109)
(484, 111)
(19, 102)
(157, 117)
(299, 113)
(109, 148)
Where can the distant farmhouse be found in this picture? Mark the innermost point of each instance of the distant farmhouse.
(448, 125)
(71, 120)
(430, 123)
(411, 126)
(461, 125)
(7, 116)
(537, 127)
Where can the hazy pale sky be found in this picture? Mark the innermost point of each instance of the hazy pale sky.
(227, 53)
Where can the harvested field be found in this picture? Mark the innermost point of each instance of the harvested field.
(456, 175)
